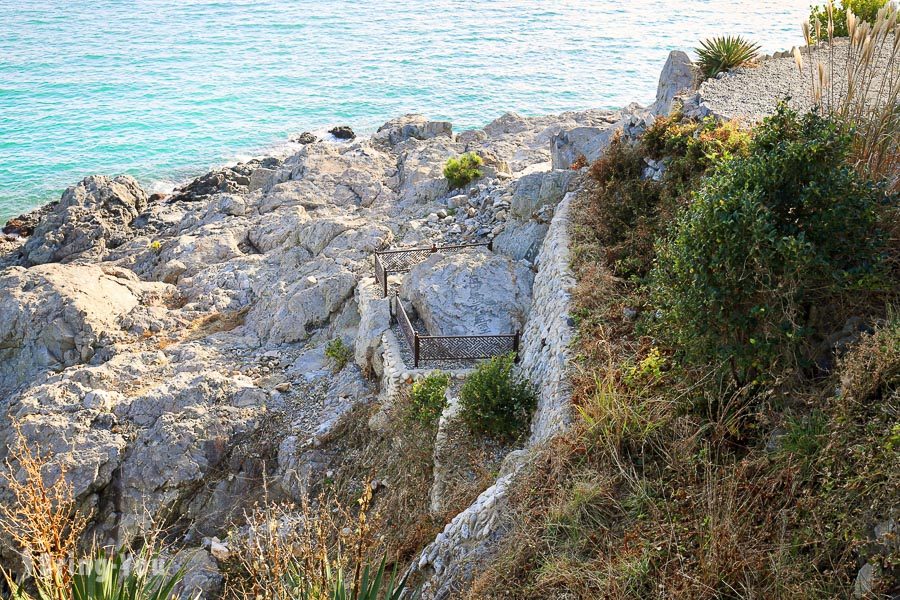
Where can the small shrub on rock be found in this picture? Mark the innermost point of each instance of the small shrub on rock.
(428, 398)
(724, 53)
(495, 401)
(768, 241)
(463, 170)
(339, 353)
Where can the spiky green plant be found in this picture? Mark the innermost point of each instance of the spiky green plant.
(723, 53)
(105, 576)
(370, 585)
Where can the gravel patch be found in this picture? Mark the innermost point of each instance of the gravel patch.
(752, 93)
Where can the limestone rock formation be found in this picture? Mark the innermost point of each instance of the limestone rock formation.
(569, 146)
(470, 293)
(56, 316)
(411, 126)
(91, 216)
(171, 355)
(678, 76)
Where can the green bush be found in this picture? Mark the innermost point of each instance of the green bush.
(766, 241)
(867, 10)
(463, 169)
(428, 398)
(692, 147)
(339, 353)
(626, 213)
(724, 53)
(495, 401)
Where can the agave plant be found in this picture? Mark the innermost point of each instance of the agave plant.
(104, 576)
(369, 584)
(724, 53)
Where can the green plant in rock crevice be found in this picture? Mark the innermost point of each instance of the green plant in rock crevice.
(460, 171)
(339, 353)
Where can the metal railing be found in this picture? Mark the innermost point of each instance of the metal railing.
(401, 261)
(452, 347)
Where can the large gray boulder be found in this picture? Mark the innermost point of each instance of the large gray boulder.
(470, 293)
(531, 192)
(91, 216)
(569, 145)
(290, 309)
(55, 316)
(407, 127)
(521, 240)
(678, 76)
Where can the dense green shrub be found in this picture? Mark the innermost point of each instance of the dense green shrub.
(767, 238)
(463, 169)
(867, 10)
(690, 148)
(724, 53)
(428, 398)
(496, 401)
(339, 353)
(627, 212)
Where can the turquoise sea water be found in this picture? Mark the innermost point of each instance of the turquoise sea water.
(163, 89)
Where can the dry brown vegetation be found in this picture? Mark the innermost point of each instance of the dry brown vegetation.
(284, 550)
(869, 98)
(42, 520)
(401, 461)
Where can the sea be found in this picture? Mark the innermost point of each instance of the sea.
(166, 89)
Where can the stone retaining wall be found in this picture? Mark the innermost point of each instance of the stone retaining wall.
(545, 341)
(469, 539)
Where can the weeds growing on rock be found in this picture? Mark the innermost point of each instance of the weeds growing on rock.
(339, 353)
(43, 520)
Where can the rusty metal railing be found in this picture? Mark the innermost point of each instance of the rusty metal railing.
(401, 261)
(452, 347)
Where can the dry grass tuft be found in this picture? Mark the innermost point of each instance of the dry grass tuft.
(868, 102)
(207, 325)
(285, 552)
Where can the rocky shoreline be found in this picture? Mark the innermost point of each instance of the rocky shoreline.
(170, 351)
